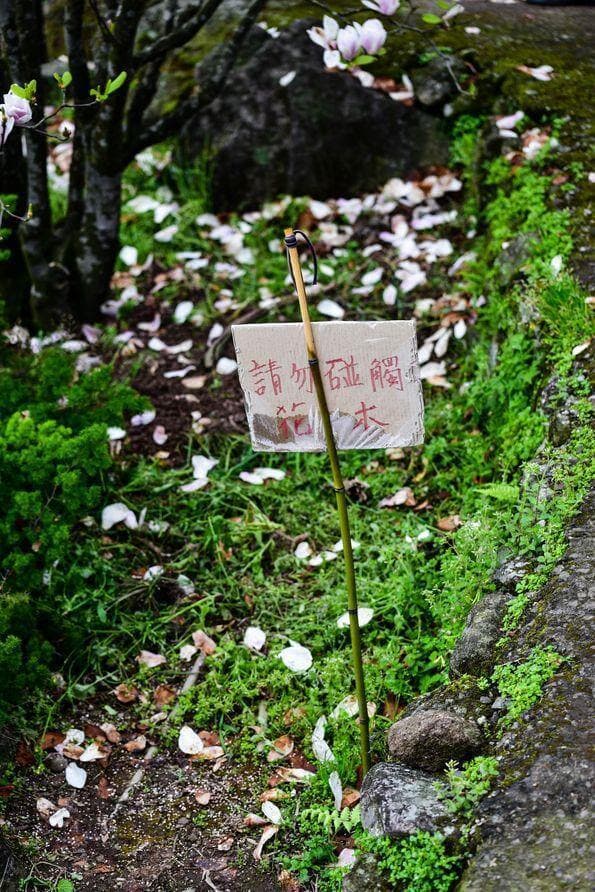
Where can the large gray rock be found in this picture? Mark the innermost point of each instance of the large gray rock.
(474, 653)
(430, 739)
(365, 877)
(397, 800)
(324, 134)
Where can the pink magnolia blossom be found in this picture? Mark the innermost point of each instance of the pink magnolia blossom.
(17, 108)
(372, 36)
(326, 36)
(348, 42)
(6, 125)
(385, 7)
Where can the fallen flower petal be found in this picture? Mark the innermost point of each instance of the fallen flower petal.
(75, 775)
(254, 638)
(189, 742)
(402, 496)
(118, 513)
(203, 797)
(58, 818)
(296, 658)
(270, 811)
(302, 550)
(320, 747)
(450, 523)
(226, 366)
(336, 786)
(202, 641)
(267, 833)
(330, 308)
(148, 658)
(346, 858)
(364, 615)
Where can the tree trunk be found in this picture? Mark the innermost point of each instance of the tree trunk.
(96, 248)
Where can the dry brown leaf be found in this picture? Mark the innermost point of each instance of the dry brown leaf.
(94, 732)
(209, 738)
(72, 751)
(402, 496)
(224, 845)
(163, 694)
(126, 693)
(23, 756)
(272, 794)
(450, 523)
(149, 659)
(267, 833)
(201, 640)
(103, 790)
(282, 747)
(350, 797)
(137, 745)
(51, 739)
(253, 820)
(111, 732)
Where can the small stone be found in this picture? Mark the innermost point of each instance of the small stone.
(398, 801)
(499, 703)
(56, 762)
(429, 739)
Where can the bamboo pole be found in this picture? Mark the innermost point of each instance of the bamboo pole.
(338, 486)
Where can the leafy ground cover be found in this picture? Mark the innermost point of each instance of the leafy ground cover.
(139, 536)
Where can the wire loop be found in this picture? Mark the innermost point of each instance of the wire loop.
(291, 242)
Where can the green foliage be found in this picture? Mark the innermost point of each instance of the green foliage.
(420, 863)
(53, 460)
(24, 655)
(465, 786)
(522, 685)
(514, 611)
(330, 820)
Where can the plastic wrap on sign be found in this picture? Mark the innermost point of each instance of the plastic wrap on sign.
(371, 379)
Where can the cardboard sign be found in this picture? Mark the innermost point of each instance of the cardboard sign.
(371, 380)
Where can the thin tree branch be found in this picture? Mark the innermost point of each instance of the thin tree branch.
(190, 22)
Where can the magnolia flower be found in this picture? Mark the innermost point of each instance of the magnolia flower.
(6, 125)
(372, 36)
(348, 42)
(17, 108)
(386, 7)
(327, 35)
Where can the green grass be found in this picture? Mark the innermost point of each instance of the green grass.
(235, 542)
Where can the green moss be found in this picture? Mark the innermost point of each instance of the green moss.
(522, 684)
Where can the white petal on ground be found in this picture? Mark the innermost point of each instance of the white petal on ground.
(92, 753)
(150, 659)
(44, 807)
(152, 326)
(271, 811)
(346, 858)
(202, 464)
(328, 555)
(320, 747)
(302, 550)
(187, 651)
(338, 546)
(183, 311)
(58, 818)
(330, 308)
(320, 209)
(128, 255)
(74, 735)
(364, 615)
(460, 328)
(254, 638)
(556, 264)
(267, 833)
(159, 435)
(316, 561)
(118, 513)
(349, 706)
(180, 373)
(143, 418)
(389, 295)
(425, 351)
(226, 366)
(373, 276)
(189, 741)
(296, 658)
(287, 79)
(441, 345)
(195, 485)
(167, 234)
(254, 479)
(431, 370)
(215, 333)
(182, 347)
(269, 473)
(141, 204)
(153, 572)
(508, 122)
(75, 775)
(116, 433)
(336, 786)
